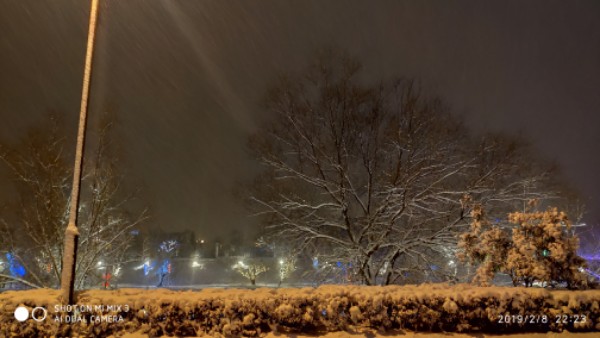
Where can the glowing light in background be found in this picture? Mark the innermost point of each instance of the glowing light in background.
(592, 273)
(595, 257)
(147, 266)
(15, 268)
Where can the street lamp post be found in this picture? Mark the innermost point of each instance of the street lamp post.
(67, 281)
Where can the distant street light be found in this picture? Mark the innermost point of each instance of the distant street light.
(67, 281)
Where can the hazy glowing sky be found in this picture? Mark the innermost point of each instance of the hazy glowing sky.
(186, 78)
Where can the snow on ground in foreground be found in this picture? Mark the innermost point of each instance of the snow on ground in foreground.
(374, 334)
(444, 335)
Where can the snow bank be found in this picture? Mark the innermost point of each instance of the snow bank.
(234, 312)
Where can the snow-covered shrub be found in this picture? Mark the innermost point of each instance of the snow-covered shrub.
(485, 245)
(252, 313)
(544, 250)
(540, 247)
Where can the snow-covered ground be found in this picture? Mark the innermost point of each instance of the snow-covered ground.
(375, 334)
(442, 335)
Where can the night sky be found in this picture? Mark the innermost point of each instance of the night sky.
(185, 79)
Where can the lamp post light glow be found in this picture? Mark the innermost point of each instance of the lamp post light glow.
(67, 280)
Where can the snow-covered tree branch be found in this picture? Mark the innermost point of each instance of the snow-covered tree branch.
(250, 268)
(376, 177)
(40, 167)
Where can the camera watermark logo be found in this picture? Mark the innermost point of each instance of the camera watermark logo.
(21, 314)
(38, 313)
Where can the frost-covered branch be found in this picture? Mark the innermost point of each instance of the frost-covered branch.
(379, 177)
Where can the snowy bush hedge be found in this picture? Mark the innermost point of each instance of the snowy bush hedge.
(235, 312)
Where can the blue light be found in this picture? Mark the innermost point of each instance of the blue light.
(168, 246)
(164, 268)
(595, 257)
(593, 273)
(16, 269)
(147, 267)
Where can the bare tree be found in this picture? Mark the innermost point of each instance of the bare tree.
(287, 266)
(250, 268)
(376, 177)
(284, 255)
(41, 172)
